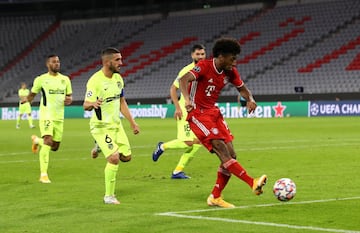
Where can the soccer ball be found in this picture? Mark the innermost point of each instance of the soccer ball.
(284, 189)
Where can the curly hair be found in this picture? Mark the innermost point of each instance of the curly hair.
(224, 46)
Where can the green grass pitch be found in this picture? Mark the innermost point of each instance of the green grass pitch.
(321, 155)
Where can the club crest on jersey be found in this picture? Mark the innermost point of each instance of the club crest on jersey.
(215, 131)
(197, 69)
(119, 85)
(110, 146)
(89, 94)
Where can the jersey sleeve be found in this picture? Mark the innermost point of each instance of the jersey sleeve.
(176, 82)
(68, 87)
(122, 93)
(199, 69)
(36, 85)
(91, 91)
(236, 78)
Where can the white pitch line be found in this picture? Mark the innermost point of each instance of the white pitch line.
(265, 205)
(262, 223)
(237, 149)
(181, 214)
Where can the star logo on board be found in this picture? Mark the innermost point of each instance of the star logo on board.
(279, 109)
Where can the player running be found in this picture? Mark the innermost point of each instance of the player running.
(56, 93)
(185, 137)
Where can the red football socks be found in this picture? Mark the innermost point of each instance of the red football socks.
(223, 177)
(235, 168)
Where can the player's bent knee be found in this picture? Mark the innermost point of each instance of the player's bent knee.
(113, 159)
(124, 158)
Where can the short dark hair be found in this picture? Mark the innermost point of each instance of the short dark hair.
(50, 56)
(197, 47)
(109, 51)
(224, 46)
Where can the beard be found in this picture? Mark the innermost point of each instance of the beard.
(55, 70)
(114, 69)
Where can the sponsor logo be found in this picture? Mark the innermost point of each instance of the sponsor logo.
(152, 111)
(333, 108)
(314, 109)
(233, 111)
(279, 109)
(111, 98)
(12, 114)
(57, 91)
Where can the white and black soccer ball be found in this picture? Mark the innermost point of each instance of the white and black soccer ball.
(284, 189)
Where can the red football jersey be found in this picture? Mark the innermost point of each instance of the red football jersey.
(205, 90)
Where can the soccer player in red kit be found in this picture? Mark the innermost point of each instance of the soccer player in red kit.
(201, 88)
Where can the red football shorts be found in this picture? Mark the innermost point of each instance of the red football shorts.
(209, 124)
